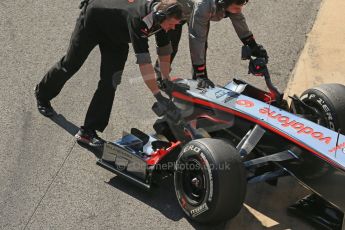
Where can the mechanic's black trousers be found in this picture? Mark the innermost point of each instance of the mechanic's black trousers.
(113, 58)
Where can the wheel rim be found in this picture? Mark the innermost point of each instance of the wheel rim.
(320, 120)
(193, 181)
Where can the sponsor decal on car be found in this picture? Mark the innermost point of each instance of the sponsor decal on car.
(209, 171)
(197, 211)
(309, 135)
(340, 146)
(327, 111)
(192, 148)
(228, 98)
(298, 126)
(220, 93)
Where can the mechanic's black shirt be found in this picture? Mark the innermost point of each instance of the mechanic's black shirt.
(126, 21)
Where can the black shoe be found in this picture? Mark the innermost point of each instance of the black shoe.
(89, 137)
(44, 107)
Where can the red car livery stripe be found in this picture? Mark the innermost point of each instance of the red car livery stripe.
(249, 118)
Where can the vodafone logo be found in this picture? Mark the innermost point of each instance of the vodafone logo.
(300, 128)
(286, 122)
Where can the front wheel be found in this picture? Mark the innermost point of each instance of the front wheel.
(329, 100)
(210, 181)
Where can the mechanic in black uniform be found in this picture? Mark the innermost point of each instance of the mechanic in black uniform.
(112, 24)
(198, 14)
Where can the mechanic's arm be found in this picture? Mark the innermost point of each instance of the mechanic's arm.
(147, 71)
(164, 50)
(148, 74)
(246, 36)
(240, 25)
(164, 63)
(141, 50)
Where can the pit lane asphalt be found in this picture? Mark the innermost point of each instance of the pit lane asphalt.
(48, 181)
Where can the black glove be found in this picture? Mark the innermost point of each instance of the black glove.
(165, 85)
(165, 106)
(200, 74)
(257, 50)
(163, 102)
(160, 83)
(83, 3)
(204, 82)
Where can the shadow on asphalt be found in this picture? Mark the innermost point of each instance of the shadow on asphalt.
(161, 197)
(61, 121)
(72, 129)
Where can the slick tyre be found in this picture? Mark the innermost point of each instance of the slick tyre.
(329, 100)
(210, 180)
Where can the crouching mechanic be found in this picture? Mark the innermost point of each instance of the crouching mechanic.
(112, 25)
(198, 14)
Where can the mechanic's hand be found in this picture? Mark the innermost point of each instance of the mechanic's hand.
(259, 51)
(163, 102)
(204, 82)
(200, 74)
(160, 83)
(165, 85)
(165, 106)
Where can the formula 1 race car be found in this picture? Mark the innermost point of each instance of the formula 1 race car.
(217, 140)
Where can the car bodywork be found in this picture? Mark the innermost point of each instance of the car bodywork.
(272, 141)
(315, 155)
